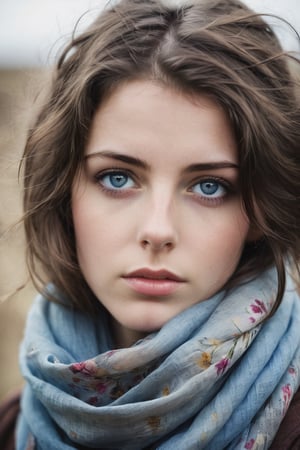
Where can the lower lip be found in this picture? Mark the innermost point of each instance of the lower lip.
(153, 287)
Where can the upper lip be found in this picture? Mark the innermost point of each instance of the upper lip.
(161, 274)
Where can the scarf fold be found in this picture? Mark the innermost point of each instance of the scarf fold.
(214, 377)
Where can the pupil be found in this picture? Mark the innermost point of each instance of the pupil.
(118, 180)
(209, 187)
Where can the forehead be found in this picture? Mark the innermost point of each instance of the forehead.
(149, 118)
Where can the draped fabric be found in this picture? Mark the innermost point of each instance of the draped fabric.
(216, 376)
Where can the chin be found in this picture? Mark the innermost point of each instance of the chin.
(148, 324)
(137, 323)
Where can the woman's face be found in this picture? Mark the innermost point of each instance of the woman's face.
(157, 210)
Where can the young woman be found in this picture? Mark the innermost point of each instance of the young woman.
(161, 195)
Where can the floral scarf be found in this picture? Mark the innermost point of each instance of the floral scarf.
(213, 377)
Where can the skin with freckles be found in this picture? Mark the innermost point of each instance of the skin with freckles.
(157, 210)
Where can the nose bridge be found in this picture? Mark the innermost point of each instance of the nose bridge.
(158, 228)
(161, 211)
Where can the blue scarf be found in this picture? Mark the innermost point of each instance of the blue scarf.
(215, 376)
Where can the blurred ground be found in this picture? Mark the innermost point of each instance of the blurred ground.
(18, 90)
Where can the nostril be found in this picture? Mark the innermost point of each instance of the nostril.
(145, 243)
(157, 244)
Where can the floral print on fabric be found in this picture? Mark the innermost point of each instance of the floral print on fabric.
(256, 444)
(181, 384)
(94, 385)
(249, 444)
(258, 308)
(222, 365)
(288, 389)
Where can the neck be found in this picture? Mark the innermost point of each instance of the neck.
(124, 337)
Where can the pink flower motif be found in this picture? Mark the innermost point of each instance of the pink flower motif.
(262, 305)
(77, 367)
(258, 307)
(287, 393)
(101, 388)
(85, 367)
(93, 401)
(222, 365)
(286, 389)
(291, 370)
(252, 320)
(249, 444)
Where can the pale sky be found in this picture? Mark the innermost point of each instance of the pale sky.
(33, 31)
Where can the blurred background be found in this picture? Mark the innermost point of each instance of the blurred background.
(32, 32)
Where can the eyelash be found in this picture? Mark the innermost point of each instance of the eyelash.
(207, 199)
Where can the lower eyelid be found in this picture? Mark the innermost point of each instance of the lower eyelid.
(208, 201)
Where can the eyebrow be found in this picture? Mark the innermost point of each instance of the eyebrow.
(120, 157)
(211, 166)
(144, 165)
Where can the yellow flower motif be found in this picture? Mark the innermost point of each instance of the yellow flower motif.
(154, 422)
(258, 443)
(204, 361)
(260, 440)
(215, 342)
(166, 391)
(203, 437)
(238, 323)
(214, 417)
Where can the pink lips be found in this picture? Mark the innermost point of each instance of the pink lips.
(153, 282)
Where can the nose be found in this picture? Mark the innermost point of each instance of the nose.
(158, 228)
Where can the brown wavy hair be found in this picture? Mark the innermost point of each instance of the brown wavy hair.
(216, 47)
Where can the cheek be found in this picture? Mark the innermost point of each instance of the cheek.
(222, 239)
(84, 221)
(231, 248)
(234, 237)
(96, 232)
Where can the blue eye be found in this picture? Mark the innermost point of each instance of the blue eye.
(116, 181)
(209, 188)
